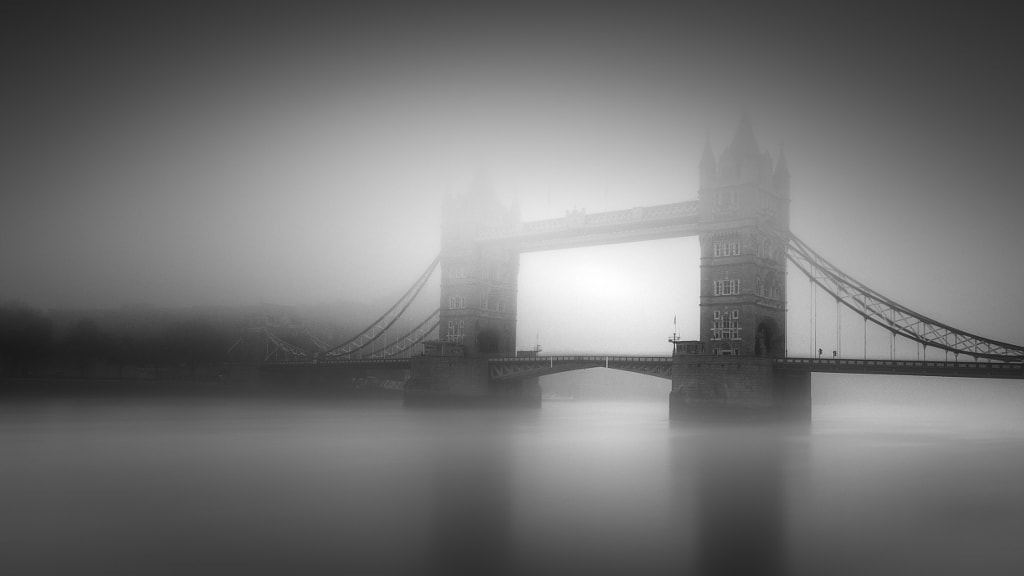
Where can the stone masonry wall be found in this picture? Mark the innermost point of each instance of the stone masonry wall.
(722, 381)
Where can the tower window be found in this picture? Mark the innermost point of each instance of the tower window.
(456, 331)
(726, 249)
(457, 272)
(726, 325)
(725, 200)
(726, 287)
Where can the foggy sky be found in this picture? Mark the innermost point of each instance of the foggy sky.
(294, 153)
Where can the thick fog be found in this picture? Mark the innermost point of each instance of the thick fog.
(297, 154)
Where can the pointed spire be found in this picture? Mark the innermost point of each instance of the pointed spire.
(708, 157)
(744, 144)
(708, 166)
(481, 184)
(707, 142)
(781, 175)
(780, 164)
(514, 211)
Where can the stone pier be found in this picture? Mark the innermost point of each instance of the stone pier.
(743, 386)
(458, 381)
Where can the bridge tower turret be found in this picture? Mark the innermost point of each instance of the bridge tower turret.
(478, 283)
(744, 207)
(708, 166)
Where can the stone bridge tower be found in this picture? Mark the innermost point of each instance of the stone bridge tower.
(744, 207)
(744, 234)
(478, 308)
(478, 283)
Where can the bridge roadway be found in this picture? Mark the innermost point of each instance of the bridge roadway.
(394, 363)
(907, 367)
(510, 368)
(661, 366)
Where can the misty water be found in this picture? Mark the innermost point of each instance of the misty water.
(926, 479)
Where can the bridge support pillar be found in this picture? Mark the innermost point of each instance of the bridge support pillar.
(737, 386)
(454, 381)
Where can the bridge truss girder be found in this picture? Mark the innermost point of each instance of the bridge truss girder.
(892, 316)
(382, 363)
(906, 367)
(515, 368)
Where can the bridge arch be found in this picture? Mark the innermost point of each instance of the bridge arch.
(511, 368)
(768, 339)
(488, 341)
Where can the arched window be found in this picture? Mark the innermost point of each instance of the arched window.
(456, 331)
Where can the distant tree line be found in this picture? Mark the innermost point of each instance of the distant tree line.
(30, 346)
(26, 339)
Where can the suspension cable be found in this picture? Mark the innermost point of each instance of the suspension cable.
(380, 325)
(413, 337)
(894, 317)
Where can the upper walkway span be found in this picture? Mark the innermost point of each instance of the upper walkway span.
(579, 229)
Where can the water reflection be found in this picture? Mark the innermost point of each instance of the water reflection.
(740, 498)
(230, 487)
(470, 527)
(521, 495)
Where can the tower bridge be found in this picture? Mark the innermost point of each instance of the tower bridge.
(467, 348)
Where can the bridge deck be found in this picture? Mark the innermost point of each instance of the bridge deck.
(586, 358)
(661, 366)
(398, 363)
(531, 366)
(906, 367)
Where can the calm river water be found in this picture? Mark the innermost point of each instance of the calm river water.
(891, 477)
